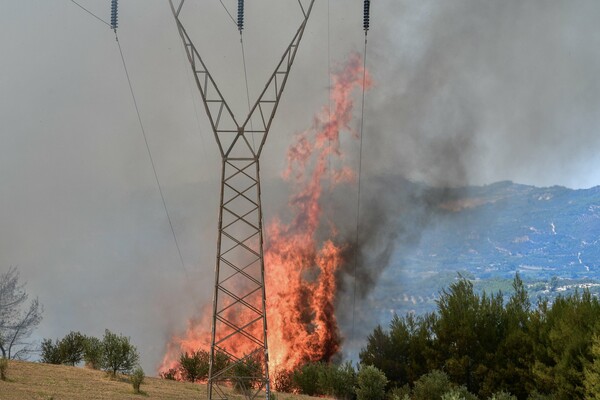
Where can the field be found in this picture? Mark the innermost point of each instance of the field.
(37, 381)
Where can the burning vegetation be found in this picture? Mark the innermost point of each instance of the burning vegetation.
(300, 266)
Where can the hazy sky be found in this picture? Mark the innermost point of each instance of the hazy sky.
(466, 92)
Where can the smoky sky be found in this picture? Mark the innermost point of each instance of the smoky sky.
(465, 92)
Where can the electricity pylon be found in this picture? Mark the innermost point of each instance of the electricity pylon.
(239, 353)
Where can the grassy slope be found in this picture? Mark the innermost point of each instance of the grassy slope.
(36, 381)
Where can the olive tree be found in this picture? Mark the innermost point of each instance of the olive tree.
(118, 354)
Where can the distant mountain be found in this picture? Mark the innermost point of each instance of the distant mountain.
(551, 236)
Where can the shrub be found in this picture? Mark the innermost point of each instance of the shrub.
(170, 374)
(71, 348)
(250, 371)
(458, 393)
(118, 354)
(3, 368)
(535, 395)
(137, 378)
(50, 352)
(399, 393)
(306, 379)
(92, 352)
(431, 386)
(283, 380)
(194, 366)
(371, 383)
(338, 380)
(503, 396)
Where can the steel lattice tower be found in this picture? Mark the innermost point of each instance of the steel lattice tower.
(239, 352)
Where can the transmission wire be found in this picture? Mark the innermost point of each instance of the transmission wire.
(362, 122)
(137, 110)
(228, 13)
(329, 77)
(89, 12)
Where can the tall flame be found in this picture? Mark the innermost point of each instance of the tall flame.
(300, 271)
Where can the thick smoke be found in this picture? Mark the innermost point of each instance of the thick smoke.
(478, 92)
(485, 91)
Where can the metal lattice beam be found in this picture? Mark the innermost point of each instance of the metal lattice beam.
(239, 353)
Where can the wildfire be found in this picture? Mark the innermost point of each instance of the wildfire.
(300, 271)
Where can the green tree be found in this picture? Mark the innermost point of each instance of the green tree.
(306, 379)
(431, 386)
(458, 341)
(136, 379)
(563, 342)
(406, 352)
(371, 383)
(591, 372)
(194, 366)
(515, 357)
(50, 352)
(72, 347)
(118, 354)
(337, 381)
(92, 352)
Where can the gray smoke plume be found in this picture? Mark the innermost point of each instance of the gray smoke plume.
(466, 92)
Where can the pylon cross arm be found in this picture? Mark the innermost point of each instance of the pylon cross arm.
(229, 134)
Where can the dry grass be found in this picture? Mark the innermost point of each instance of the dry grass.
(36, 381)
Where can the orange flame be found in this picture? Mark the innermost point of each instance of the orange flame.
(300, 272)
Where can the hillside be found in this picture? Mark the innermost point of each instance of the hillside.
(549, 236)
(37, 381)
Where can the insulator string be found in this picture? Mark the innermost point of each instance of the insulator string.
(240, 16)
(366, 15)
(114, 10)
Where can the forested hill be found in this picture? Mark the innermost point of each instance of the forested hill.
(487, 233)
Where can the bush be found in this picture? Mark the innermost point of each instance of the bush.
(92, 352)
(170, 374)
(71, 348)
(503, 396)
(399, 393)
(371, 383)
(50, 352)
(249, 372)
(306, 379)
(431, 386)
(535, 395)
(338, 381)
(283, 380)
(194, 366)
(137, 378)
(458, 393)
(3, 368)
(118, 354)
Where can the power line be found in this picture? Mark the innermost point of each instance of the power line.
(228, 13)
(362, 122)
(137, 110)
(142, 129)
(89, 12)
